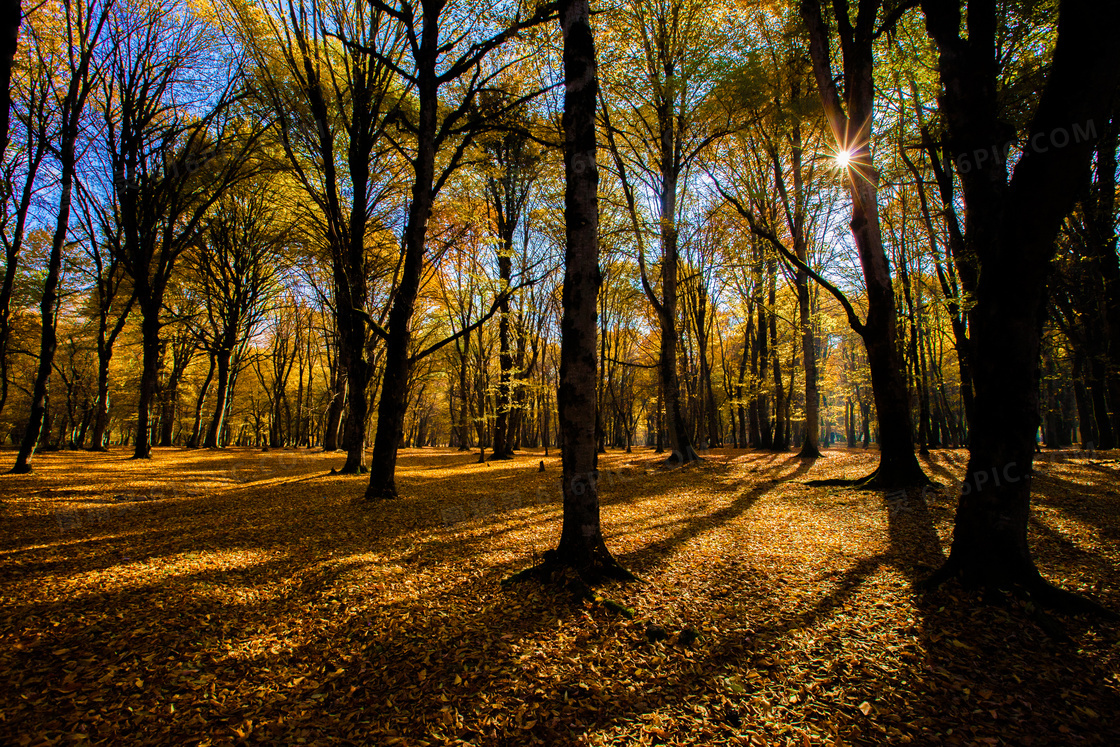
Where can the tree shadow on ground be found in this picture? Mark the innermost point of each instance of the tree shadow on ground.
(643, 559)
(368, 644)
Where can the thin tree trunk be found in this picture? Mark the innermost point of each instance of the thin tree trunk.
(48, 341)
(394, 387)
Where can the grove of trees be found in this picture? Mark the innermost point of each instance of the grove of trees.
(367, 225)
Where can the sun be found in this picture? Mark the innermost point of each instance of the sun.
(843, 159)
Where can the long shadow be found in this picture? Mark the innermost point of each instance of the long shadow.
(367, 668)
(643, 559)
(934, 466)
(915, 544)
(1093, 504)
(1053, 544)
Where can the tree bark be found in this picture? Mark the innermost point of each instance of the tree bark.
(810, 444)
(150, 304)
(502, 436)
(394, 386)
(9, 38)
(218, 419)
(199, 403)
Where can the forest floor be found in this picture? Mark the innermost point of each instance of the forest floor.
(240, 597)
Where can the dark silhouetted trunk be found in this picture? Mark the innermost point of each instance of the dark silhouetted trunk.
(850, 123)
(48, 341)
(1011, 227)
(10, 20)
(581, 540)
(150, 304)
(394, 386)
(218, 419)
(810, 444)
(200, 402)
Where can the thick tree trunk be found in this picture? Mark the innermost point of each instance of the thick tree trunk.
(9, 38)
(581, 540)
(1011, 226)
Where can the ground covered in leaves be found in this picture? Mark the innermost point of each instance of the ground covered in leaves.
(241, 597)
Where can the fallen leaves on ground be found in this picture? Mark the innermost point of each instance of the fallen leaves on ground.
(239, 597)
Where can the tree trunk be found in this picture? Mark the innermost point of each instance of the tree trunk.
(810, 444)
(9, 38)
(898, 466)
(218, 419)
(101, 415)
(48, 341)
(200, 401)
(334, 409)
(1011, 226)
(357, 381)
(149, 376)
(502, 435)
(581, 540)
(780, 441)
(394, 387)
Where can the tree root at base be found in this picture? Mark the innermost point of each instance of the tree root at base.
(876, 481)
(1041, 596)
(577, 580)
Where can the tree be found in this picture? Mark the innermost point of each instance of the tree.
(581, 545)
(850, 119)
(9, 39)
(668, 88)
(83, 26)
(235, 267)
(113, 295)
(449, 125)
(515, 167)
(1014, 211)
(327, 98)
(170, 163)
(19, 184)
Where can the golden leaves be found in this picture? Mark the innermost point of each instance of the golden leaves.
(274, 611)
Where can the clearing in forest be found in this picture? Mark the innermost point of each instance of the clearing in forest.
(239, 597)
